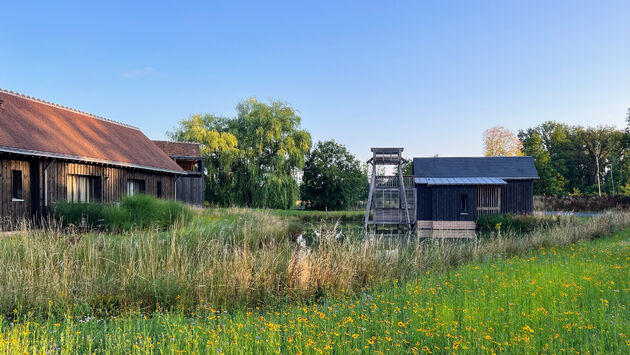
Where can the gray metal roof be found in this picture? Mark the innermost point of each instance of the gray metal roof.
(460, 181)
(508, 168)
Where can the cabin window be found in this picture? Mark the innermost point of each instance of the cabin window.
(387, 199)
(16, 186)
(135, 186)
(158, 189)
(464, 204)
(83, 188)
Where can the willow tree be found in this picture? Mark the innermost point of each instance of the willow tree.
(252, 158)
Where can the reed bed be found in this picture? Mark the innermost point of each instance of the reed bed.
(245, 258)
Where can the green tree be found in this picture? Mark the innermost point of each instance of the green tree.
(551, 182)
(333, 178)
(251, 159)
(597, 144)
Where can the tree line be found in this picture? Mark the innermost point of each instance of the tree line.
(570, 159)
(256, 158)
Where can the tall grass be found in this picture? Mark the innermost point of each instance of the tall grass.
(551, 300)
(515, 223)
(138, 211)
(227, 266)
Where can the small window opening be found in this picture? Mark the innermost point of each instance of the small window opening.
(135, 186)
(158, 191)
(464, 204)
(16, 186)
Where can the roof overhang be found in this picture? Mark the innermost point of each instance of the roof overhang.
(459, 181)
(87, 160)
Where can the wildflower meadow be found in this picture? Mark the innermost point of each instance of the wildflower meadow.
(552, 299)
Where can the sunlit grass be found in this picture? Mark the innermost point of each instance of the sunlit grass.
(548, 300)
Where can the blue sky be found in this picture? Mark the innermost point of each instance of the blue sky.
(439, 72)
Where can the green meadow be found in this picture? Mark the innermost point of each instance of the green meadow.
(565, 289)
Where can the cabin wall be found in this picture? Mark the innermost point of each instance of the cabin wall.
(190, 189)
(423, 206)
(517, 196)
(446, 203)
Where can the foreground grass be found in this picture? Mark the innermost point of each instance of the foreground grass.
(570, 299)
(242, 259)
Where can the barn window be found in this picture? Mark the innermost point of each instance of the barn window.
(158, 191)
(135, 186)
(16, 186)
(464, 204)
(83, 188)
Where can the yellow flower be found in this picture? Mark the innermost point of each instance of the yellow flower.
(355, 335)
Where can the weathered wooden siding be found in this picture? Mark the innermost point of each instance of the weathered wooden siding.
(517, 196)
(113, 180)
(113, 184)
(446, 201)
(9, 208)
(190, 189)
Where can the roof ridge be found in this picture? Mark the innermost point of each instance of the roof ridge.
(167, 141)
(496, 156)
(52, 104)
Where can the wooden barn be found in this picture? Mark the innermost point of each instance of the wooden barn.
(53, 153)
(189, 188)
(452, 192)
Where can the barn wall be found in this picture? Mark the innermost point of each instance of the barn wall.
(190, 189)
(517, 196)
(9, 208)
(446, 202)
(113, 180)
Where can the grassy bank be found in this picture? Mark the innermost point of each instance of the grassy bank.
(549, 300)
(243, 259)
(325, 216)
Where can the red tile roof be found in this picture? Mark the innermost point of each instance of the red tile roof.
(35, 127)
(179, 149)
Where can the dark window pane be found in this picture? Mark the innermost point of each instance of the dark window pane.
(16, 185)
(159, 189)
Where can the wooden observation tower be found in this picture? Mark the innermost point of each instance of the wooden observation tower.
(392, 198)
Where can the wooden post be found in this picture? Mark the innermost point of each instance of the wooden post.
(369, 202)
(401, 184)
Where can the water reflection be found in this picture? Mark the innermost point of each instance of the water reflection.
(355, 231)
(447, 233)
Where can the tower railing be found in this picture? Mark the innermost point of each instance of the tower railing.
(392, 198)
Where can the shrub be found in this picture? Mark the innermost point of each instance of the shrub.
(580, 203)
(139, 211)
(515, 223)
(79, 214)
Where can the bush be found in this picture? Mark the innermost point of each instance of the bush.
(580, 203)
(139, 211)
(80, 214)
(515, 223)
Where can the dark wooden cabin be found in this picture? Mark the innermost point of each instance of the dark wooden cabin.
(53, 153)
(453, 192)
(189, 188)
